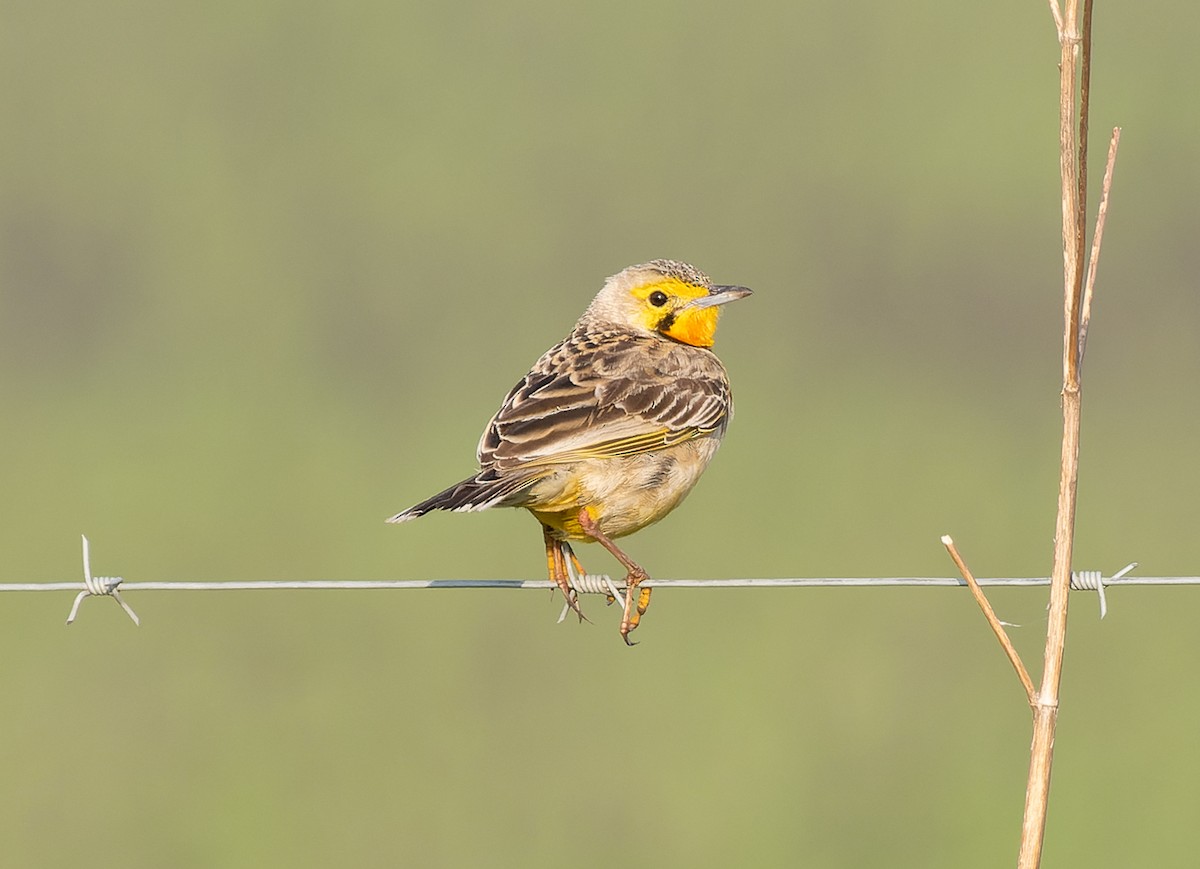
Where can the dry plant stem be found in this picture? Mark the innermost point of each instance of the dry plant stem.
(1057, 13)
(990, 615)
(1074, 193)
(1084, 57)
(1073, 200)
(1085, 317)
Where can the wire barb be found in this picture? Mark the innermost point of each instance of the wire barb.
(588, 583)
(98, 585)
(1093, 580)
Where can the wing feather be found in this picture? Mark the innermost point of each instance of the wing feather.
(613, 394)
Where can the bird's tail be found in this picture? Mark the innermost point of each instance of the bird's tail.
(486, 489)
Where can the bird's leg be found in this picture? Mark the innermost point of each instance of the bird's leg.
(556, 565)
(575, 572)
(635, 573)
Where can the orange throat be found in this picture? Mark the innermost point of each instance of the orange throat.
(695, 327)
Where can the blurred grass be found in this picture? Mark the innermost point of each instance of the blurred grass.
(266, 270)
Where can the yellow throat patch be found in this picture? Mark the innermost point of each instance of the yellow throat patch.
(672, 317)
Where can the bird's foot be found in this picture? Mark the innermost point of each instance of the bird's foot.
(632, 614)
(571, 604)
(559, 562)
(570, 584)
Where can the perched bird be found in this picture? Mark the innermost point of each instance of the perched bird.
(613, 426)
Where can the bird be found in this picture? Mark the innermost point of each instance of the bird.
(612, 427)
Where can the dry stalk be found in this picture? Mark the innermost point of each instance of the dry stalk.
(1074, 36)
(1074, 198)
(1075, 39)
(1097, 236)
(990, 615)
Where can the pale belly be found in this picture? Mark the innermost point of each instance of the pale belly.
(623, 494)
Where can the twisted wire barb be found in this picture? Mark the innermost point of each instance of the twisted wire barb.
(98, 585)
(1091, 580)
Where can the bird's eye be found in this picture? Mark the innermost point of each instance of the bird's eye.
(658, 298)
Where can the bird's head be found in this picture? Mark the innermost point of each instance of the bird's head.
(664, 297)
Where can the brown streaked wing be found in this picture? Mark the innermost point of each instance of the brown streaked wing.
(609, 395)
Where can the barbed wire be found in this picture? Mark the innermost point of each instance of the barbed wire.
(111, 586)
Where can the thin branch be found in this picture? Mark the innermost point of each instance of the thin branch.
(1058, 21)
(1072, 207)
(1085, 318)
(990, 615)
(1081, 162)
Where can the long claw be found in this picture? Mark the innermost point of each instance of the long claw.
(558, 569)
(572, 603)
(632, 615)
(627, 624)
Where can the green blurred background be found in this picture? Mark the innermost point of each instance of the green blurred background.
(266, 269)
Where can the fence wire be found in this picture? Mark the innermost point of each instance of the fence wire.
(91, 585)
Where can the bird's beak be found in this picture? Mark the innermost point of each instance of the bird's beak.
(719, 295)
